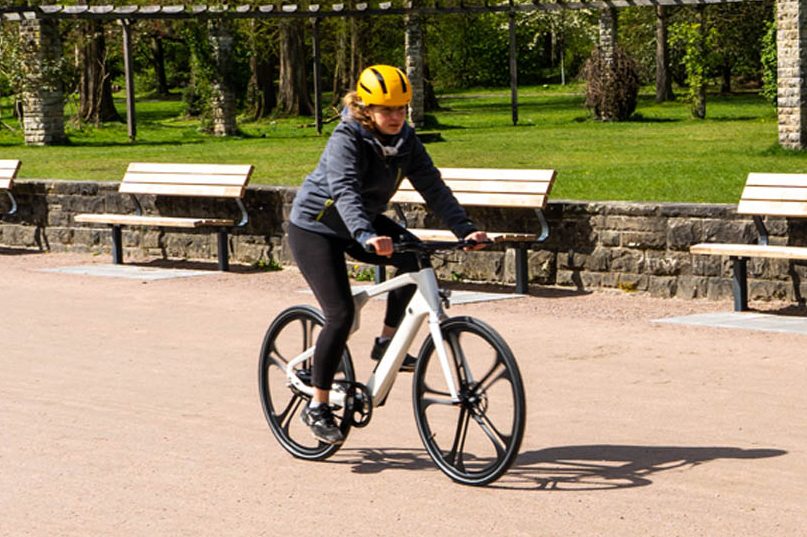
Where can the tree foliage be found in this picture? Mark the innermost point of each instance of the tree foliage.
(462, 51)
(769, 63)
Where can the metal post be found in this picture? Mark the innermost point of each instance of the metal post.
(117, 245)
(317, 74)
(513, 66)
(739, 284)
(223, 251)
(522, 271)
(130, 90)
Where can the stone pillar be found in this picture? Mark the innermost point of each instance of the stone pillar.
(42, 95)
(791, 51)
(607, 28)
(415, 52)
(223, 102)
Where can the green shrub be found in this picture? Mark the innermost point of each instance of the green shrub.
(612, 87)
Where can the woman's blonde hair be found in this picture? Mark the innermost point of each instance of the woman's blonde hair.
(357, 110)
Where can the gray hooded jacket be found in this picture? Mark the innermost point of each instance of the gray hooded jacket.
(356, 177)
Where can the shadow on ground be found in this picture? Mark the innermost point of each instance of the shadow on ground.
(534, 290)
(569, 468)
(193, 265)
(19, 251)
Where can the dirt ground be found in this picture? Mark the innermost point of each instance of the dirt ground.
(131, 409)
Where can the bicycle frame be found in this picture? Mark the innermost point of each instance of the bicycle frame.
(426, 303)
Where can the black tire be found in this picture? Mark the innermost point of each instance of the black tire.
(293, 331)
(476, 440)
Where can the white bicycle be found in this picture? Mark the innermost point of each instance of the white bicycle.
(467, 391)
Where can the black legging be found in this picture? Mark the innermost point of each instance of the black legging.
(321, 259)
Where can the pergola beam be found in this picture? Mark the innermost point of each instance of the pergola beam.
(318, 10)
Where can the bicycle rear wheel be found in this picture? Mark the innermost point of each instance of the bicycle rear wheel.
(473, 441)
(292, 332)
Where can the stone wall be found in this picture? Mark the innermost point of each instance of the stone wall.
(639, 247)
(791, 45)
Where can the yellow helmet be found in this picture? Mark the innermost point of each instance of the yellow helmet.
(384, 85)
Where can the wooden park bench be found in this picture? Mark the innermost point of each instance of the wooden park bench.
(489, 187)
(764, 195)
(8, 172)
(194, 180)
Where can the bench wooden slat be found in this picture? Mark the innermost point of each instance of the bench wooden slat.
(7, 164)
(184, 179)
(479, 198)
(777, 179)
(497, 174)
(445, 235)
(182, 190)
(750, 250)
(773, 208)
(499, 187)
(156, 221)
(8, 172)
(772, 193)
(198, 169)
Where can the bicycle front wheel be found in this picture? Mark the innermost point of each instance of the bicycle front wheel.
(476, 439)
(292, 332)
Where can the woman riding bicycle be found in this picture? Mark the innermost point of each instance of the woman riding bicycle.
(338, 210)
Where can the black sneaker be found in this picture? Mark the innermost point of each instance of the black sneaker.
(379, 349)
(322, 424)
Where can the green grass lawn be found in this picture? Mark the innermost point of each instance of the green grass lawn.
(661, 155)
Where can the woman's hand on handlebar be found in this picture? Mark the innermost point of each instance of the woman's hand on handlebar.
(480, 238)
(380, 245)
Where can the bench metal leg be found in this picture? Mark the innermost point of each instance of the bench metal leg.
(223, 251)
(522, 271)
(117, 245)
(739, 283)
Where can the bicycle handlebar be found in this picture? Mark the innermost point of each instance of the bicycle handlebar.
(430, 247)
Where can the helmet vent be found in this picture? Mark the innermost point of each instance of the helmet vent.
(403, 81)
(381, 80)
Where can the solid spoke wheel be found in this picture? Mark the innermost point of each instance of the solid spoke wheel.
(292, 332)
(476, 439)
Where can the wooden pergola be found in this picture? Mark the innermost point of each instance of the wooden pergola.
(125, 15)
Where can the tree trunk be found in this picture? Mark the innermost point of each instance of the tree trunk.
(158, 57)
(261, 95)
(261, 90)
(664, 90)
(359, 30)
(293, 98)
(699, 106)
(430, 101)
(725, 71)
(95, 86)
(415, 53)
(342, 83)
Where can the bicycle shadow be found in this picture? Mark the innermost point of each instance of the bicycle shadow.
(612, 467)
(374, 461)
(573, 468)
